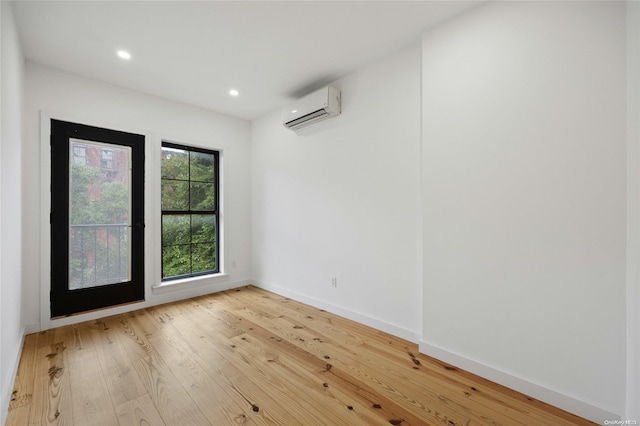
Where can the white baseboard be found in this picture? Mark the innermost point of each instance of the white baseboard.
(521, 385)
(154, 298)
(496, 375)
(7, 387)
(392, 329)
(31, 328)
(526, 387)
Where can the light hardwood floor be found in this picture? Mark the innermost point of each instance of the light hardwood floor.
(247, 356)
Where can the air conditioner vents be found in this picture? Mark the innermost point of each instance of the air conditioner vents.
(315, 107)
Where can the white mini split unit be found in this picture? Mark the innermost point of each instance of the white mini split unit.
(317, 106)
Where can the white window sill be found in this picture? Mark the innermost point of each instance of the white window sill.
(174, 285)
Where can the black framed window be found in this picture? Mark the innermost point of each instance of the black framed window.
(107, 159)
(80, 154)
(190, 216)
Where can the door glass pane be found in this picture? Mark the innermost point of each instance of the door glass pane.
(99, 214)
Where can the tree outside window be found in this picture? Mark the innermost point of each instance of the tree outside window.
(189, 187)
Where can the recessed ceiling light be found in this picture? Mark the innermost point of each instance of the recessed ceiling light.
(124, 54)
(234, 92)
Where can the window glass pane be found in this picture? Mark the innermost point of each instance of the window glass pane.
(203, 228)
(202, 167)
(79, 154)
(107, 159)
(176, 260)
(175, 195)
(189, 187)
(204, 257)
(175, 229)
(175, 164)
(99, 214)
(202, 196)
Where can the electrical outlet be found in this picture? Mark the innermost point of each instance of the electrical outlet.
(233, 264)
(334, 282)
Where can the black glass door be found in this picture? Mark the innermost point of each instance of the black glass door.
(97, 218)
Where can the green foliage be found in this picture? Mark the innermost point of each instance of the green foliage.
(175, 164)
(82, 176)
(176, 260)
(175, 195)
(188, 244)
(98, 254)
(188, 240)
(187, 177)
(202, 196)
(202, 167)
(114, 203)
(188, 259)
(92, 203)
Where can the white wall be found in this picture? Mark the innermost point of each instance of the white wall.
(341, 199)
(74, 98)
(11, 329)
(633, 210)
(524, 199)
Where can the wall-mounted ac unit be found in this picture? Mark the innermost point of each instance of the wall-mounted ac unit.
(317, 106)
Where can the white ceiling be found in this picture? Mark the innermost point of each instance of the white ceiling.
(195, 51)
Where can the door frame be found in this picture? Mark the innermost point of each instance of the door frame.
(46, 321)
(66, 302)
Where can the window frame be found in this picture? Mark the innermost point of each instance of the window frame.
(215, 211)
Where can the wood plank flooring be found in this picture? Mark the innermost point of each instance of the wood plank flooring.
(250, 357)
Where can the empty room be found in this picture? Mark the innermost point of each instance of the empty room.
(320, 212)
